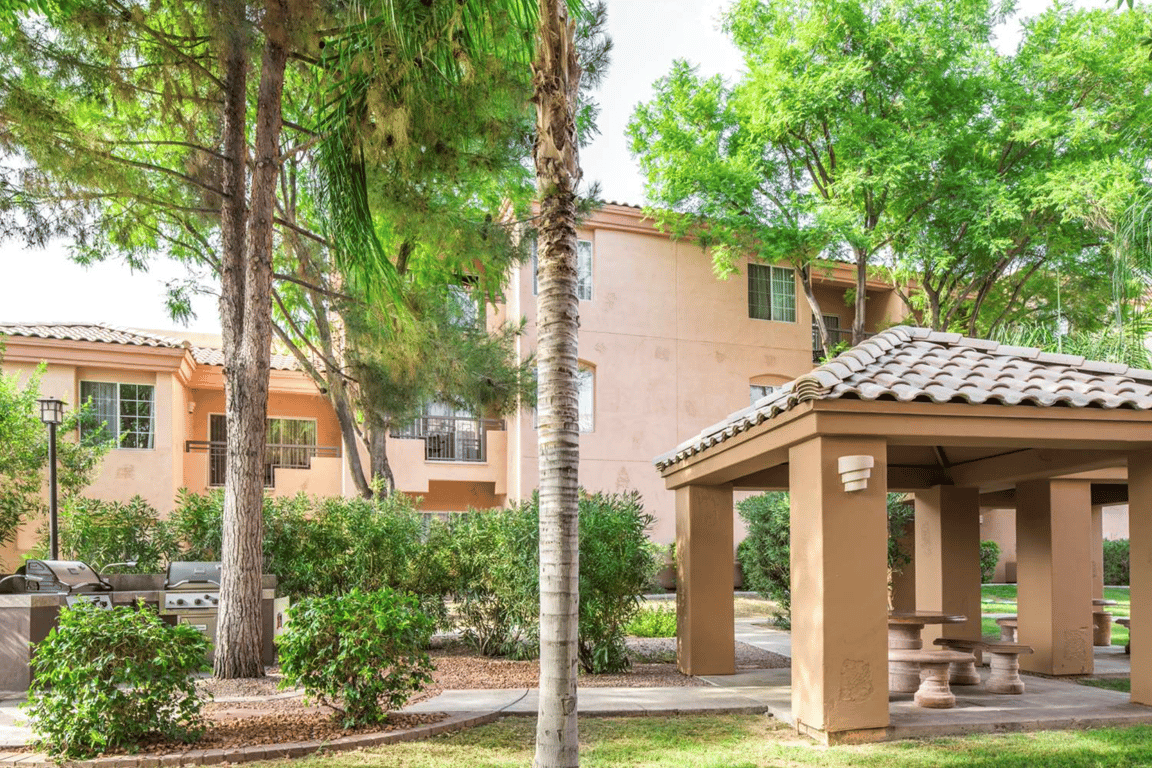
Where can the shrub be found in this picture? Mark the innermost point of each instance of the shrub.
(653, 622)
(616, 564)
(493, 584)
(197, 523)
(765, 553)
(107, 679)
(1116, 563)
(989, 557)
(361, 652)
(104, 532)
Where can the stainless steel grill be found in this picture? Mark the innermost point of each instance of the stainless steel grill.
(78, 581)
(192, 595)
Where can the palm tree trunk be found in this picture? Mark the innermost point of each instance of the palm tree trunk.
(247, 303)
(556, 80)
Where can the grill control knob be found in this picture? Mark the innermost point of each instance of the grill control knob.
(198, 601)
(215, 601)
(180, 601)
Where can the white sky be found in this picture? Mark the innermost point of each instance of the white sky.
(44, 285)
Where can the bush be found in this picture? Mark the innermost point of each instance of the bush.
(765, 553)
(989, 557)
(104, 532)
(1116, 563)
(361, 652)
(107, 679)
(197, 524)
(653, 622)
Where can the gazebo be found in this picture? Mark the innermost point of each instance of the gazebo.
(948, 419)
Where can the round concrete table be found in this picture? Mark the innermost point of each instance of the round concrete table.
(1101, 622)
(904, 629)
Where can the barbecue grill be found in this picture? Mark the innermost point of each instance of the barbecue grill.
(192, 596)
(76, 580)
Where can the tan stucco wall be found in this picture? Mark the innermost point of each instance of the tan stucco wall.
(999, 525)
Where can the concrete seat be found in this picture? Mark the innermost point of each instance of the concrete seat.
(1004, 666)
(934, 692)
(962, 672)
(1101, 628)
(1125, 622)
(1007, 629)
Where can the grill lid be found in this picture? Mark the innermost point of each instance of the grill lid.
(192, 572)
(63, 576)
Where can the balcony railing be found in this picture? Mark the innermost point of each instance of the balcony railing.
(836, 336)
(451, 438)
(288, 456)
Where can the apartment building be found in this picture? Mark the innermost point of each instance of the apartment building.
(666, 349)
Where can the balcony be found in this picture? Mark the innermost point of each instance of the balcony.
(836, 336)
(275, 457)
(451, 438)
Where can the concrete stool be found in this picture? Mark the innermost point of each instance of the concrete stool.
(962, 672)
(1005, 667)
(1125, 622)
(1101, 628)
(1007, 629)
(933, 692)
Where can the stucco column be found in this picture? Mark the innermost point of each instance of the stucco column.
(1054, 573)
(839, 593)
(1097, 552)
(705, 621)
(948, 559)
(1140, 559)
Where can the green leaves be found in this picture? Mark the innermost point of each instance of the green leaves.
(361, 652)
(108, 679)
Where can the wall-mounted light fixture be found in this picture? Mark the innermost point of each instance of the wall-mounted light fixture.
(191, 406)
(855, 471)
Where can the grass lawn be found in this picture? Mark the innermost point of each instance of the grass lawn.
(738, 741)
(1001, 598)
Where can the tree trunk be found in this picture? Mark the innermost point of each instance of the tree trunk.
(861, 296)
(556, 81)
(247, 356)
(378, 455)
(814, 303)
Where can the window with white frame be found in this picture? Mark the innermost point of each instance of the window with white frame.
(585, 400)
(583, 270)
(124, 413)
(771, 293)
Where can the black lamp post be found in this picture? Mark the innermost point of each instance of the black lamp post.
(52, 413)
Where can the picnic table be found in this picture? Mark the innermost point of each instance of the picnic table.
(904, 628)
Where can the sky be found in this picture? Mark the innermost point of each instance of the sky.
(43, 285)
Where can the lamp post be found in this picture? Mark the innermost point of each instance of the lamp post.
(52, 413)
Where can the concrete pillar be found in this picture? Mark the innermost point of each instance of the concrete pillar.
(948, 559)
(1140, 543)
(839, 593)
(1097, 552)
(1054, 572)
(903, 596)
(705, 621)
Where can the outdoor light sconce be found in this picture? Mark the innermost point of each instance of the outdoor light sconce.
(855, 471)
(51, 410)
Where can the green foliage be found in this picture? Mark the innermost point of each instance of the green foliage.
(497, 572)
(105, 532)
(24, 454)
(989, 557)
(109, 679)
(765, 553)
(1117, 566)
(653, 622)
(197, 523)
(360, 652)
(1114, 343)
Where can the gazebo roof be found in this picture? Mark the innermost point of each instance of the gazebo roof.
(908, 364)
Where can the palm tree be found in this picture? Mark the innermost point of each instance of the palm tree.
(556, 80)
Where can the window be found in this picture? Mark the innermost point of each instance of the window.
(288, 443)
(583, 270)
(585, 400)
(463, 308)
(758, 391)
(771, 293)
(125, 413)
